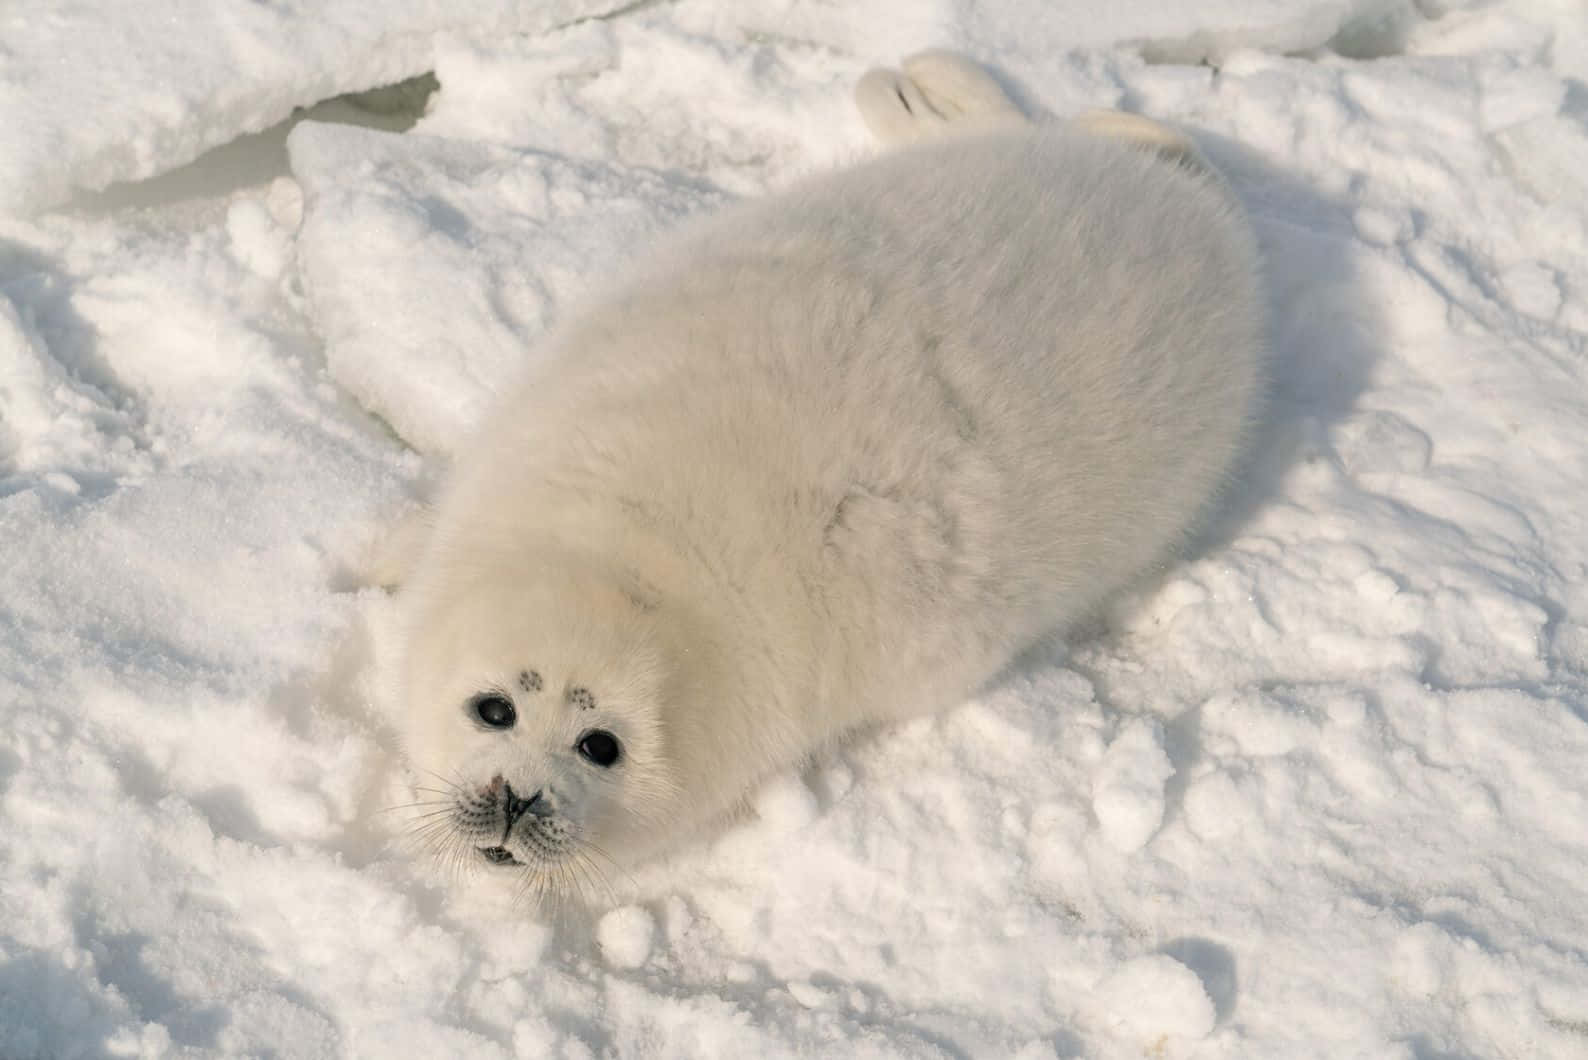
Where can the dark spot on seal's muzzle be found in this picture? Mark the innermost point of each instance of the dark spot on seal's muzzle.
(515, 807)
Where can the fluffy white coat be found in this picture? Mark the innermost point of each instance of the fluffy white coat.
(828, 459)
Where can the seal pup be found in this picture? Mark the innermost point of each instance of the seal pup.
(828, 459)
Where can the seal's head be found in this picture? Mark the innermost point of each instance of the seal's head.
(536, 709)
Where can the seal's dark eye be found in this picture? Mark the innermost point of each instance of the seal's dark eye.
(495, 710)
(600, 747)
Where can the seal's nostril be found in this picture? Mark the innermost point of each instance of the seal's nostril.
(514, 806)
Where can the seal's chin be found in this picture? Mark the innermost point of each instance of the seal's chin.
(498, 856)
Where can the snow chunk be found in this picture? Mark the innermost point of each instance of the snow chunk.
(647, 92)
(50, 419)
(432, 264)
(93, 93)
(1419, 961)
(812, 996)
(1534, 289)
(1379, 442)
(257, 241)
(1155, 996)
(1127, 790)
(786, 804)
(1216, 808)
(1362, 28)
(625, 936)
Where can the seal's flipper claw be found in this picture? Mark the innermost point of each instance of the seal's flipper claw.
(959, 89)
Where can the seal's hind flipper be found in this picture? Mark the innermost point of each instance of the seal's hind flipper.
(940, 92)
(1168, 142)
(936, 92)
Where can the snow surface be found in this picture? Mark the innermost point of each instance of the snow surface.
(1320, 791)
(95, 91)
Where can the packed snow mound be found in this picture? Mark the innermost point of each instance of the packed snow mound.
(432, 264)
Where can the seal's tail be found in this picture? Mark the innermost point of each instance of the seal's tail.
(940, 92)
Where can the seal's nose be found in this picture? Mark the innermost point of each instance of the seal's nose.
(516, 807)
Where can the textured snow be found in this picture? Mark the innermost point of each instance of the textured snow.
(624, 935)
(1159, 999)
(1127, 787)
(1319, 790)
(423, 346)
(93, 91)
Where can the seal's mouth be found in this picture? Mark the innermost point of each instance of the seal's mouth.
(498, 856)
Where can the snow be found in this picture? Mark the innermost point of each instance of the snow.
(1316, 791)
(94, 92)
(1158, 999)
(624, 936)
(469, 215)
(1127, 786)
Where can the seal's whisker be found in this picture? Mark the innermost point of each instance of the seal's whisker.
(591, 873)
(454, 785)
(463, 863)
(425, 829)
(458, 857)
(411, 805)
(444, 808)
(585, 871)
(432, 838)
(531, 886)
(610, 860)
(416, 814)
(433, 849)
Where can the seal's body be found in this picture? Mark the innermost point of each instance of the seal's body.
(831, 458)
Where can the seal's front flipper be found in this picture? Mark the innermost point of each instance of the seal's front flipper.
(393, 557)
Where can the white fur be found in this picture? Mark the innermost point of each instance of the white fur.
(832, 458)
